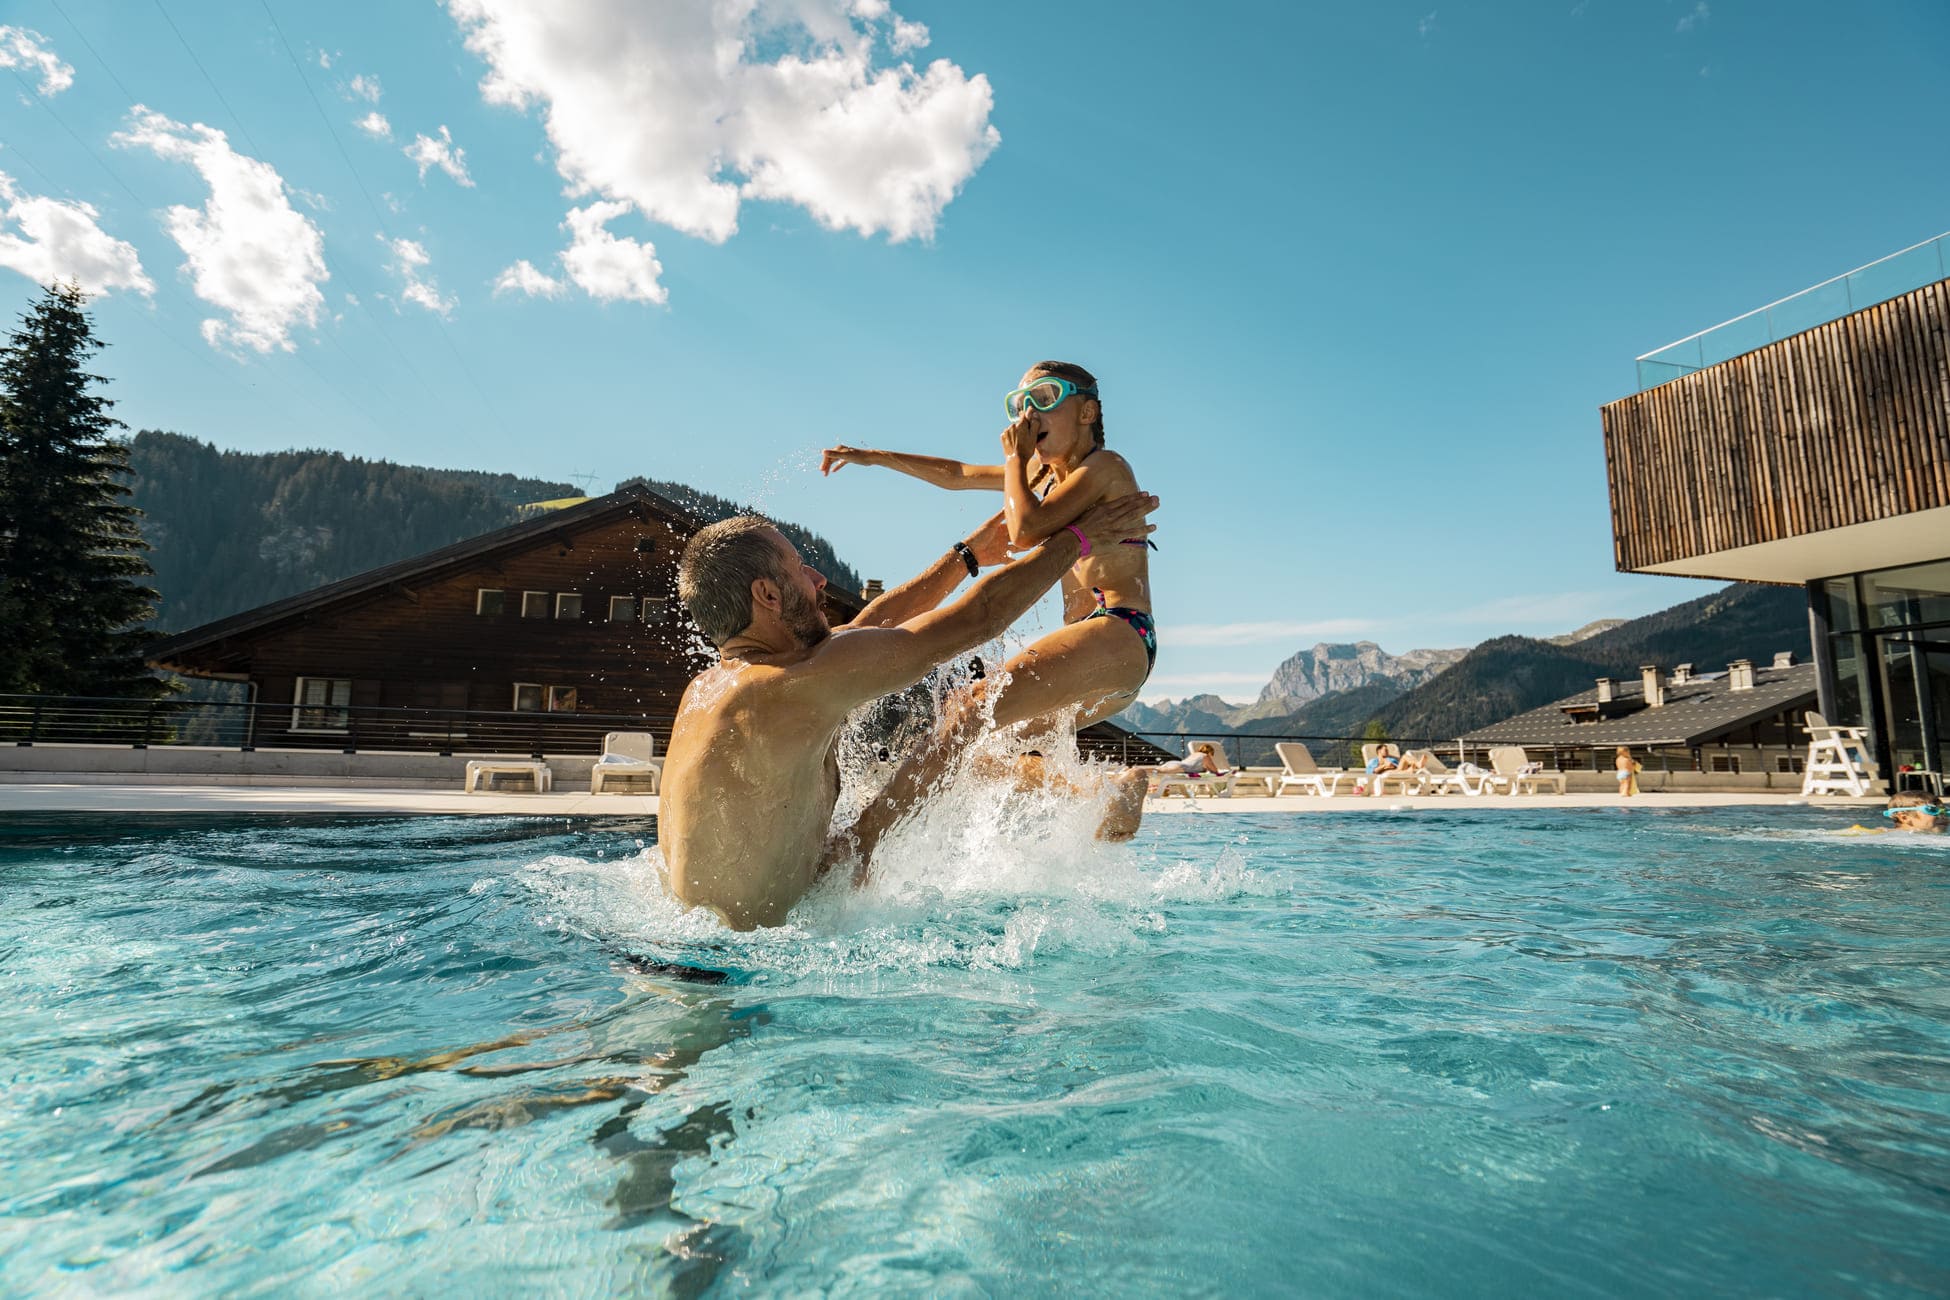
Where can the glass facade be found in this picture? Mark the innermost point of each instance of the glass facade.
(1887, 664)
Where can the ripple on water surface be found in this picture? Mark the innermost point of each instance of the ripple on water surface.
(1620, 1052)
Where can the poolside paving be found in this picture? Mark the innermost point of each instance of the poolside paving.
(91, 797)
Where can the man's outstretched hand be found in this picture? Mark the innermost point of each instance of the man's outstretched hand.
(1109, 522)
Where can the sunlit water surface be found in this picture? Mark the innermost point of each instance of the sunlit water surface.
(1458, 1052)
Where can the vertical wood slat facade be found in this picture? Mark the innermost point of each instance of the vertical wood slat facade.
(1845, 423)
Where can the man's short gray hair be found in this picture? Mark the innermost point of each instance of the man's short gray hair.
(714, 579)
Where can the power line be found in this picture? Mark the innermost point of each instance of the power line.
(379, 219)
(241, 128)
(42, 101)
(126, 93)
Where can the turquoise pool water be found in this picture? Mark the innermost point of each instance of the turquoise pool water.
(1457, 1053)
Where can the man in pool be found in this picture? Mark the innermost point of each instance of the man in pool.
(752, 773)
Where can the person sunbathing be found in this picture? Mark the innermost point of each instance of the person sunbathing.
(1094, 665)
(1202, 758)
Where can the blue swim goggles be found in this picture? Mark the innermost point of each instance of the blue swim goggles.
(1927, 809)
(1046, 394)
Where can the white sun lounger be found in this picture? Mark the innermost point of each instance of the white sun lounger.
(1193, 784)
(486, 769)
(1443, 778)
(627, 756)
(1515, 773)
(1299, 772)
(1378, 782)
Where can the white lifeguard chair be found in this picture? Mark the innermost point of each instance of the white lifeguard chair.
(1838, 760)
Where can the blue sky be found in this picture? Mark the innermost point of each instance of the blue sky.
(1356, 278)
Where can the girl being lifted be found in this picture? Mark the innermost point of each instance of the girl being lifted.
(1099, 659)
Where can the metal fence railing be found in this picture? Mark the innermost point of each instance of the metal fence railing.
(1251, 749)
(140, 724)
(27, 720)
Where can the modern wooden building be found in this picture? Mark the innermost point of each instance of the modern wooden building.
(1809, 443)
(536, 638)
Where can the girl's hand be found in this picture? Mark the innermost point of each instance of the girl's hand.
(834, 457)
(1019, 439)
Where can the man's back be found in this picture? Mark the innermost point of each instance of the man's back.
(751, 780)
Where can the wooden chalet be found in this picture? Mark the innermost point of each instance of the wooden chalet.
(537, 638)
(569, 614)
(1808, 443)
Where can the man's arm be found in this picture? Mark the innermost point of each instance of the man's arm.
(856, 666)
(989, 544)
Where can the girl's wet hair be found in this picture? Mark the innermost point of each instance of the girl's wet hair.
(1082, 378)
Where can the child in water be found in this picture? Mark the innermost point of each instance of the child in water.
(1916, 813)
(1628, 769)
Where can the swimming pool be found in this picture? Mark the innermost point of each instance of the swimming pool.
(1452, 1052)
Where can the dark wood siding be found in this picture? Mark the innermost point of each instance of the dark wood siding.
(1842, 424)
(416, 642)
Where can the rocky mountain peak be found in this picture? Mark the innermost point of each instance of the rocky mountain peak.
(1343, 666)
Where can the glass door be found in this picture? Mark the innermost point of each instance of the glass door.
(1916, 690)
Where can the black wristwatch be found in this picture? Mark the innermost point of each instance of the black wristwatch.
(968, 558)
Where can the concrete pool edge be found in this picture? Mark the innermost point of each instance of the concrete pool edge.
(153, 799)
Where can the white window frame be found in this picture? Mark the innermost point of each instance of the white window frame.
(630, 617)
(660, 605)
(480, 598)
(299, 708)
(543, 595)
(556, 692)
(561, 596)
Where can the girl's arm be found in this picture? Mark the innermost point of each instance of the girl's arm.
(1031, 521)
(939, 471)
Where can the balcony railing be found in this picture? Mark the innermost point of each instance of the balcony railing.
(1879, 281)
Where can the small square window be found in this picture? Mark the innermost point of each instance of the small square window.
(622, 609)
(561, 699)
(656, 611)
(490, 602)
(534, 604)
(529, 698)
(568, 604)
(322, 704)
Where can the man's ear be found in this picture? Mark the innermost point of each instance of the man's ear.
(766, 595)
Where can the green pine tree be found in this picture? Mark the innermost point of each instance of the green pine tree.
(72, 558)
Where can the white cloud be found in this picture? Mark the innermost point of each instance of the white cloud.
(47, 240)
(249, 253)
(441, 153)
(608, 266)
(685, 109)
(1427, 26)
(324, 59)
(28, 50)
(375, 125)
(1292, 633)
(409, 264)
(522, 277)
(906, 36)
(366, 88)
(1699, 14)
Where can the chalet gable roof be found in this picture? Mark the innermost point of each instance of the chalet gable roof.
(631, 499)
(1694, 713)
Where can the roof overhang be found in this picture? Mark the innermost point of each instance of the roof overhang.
(1914, 538)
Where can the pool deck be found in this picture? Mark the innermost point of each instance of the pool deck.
(246, 800)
